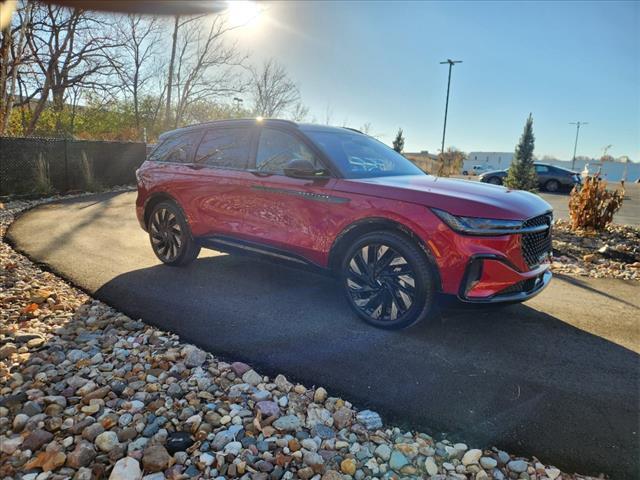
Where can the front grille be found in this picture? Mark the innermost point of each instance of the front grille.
(536, 245)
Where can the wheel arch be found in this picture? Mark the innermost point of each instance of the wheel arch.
(377, 224)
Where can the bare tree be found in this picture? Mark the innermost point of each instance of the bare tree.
(136, 61)
(300, 112)
(172, 60)
(206, 66)
(366, 128)
(273, 91)
(69, 48)
(12, 56)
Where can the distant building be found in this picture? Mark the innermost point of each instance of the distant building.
(613, 171)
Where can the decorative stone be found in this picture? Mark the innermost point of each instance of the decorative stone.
(82, 455)
(288, 423)
(107, 441)
(194, 357)
(126, 469)
(348, 466)
(178, 442)
(471, 457)
(370, 419)
(155, 458)
(518, 466)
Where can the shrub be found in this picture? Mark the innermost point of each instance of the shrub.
(43, 184)
(450, 162)
(592, 207)
(89, 181)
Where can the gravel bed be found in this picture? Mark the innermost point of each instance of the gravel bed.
(614, 253)
(88, 393)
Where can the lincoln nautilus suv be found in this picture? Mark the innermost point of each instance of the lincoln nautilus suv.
(340, 201)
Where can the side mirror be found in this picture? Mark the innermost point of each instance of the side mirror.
(300, 168)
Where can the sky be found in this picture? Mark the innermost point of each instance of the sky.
(378, 62)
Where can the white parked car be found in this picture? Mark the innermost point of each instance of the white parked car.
(477, 170)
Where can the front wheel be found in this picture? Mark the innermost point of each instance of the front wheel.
(170, 235)
(388, 281)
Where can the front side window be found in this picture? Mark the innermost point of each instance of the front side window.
(176, 149)
(226, 148)
(541, 169)
(277, 148)
(360, 156)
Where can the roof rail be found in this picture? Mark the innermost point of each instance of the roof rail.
(354, 130)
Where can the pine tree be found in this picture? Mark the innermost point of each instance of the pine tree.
(522, 174)
(398, 142)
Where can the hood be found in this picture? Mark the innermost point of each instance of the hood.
(458, 197)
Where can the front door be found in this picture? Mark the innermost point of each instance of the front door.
(289, 212)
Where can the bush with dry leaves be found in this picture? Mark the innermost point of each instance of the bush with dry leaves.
(592, 206)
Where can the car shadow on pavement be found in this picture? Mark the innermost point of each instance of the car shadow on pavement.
(513, 377)
(581, 284)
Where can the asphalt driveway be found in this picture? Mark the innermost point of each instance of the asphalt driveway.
(557, 377)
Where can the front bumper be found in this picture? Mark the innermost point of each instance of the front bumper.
(491, 279)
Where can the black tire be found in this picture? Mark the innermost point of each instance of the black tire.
(495, 181)
(382, 295)
(170, 235)
(552, 186)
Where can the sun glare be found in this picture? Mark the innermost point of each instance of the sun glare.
(243, 13)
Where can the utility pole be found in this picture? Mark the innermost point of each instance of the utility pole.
(575, 146)
(446, 108)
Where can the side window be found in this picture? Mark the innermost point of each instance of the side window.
(225, 147)
(277, 148)
(541, 169)
(176, 149)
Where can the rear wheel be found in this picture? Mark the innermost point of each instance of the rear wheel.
(388, 281)
(170, 235)
(552, 186)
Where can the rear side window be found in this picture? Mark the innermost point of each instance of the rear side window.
(541, 169)
(176, 149)
(225, 147)
(277, 148)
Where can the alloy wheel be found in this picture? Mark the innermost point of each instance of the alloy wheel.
(381, 282)
(167, 236)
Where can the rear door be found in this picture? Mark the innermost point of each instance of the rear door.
(218, 196)
(169, 166)
(288, 213)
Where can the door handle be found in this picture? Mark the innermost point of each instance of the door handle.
(195, 166)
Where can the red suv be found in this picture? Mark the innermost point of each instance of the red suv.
(339, 200)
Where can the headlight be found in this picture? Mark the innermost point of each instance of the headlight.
(484, 226)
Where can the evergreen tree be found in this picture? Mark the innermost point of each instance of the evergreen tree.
(398, 142)
(522, 174)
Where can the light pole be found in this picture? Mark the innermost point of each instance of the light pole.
(446, 108)
(238, 101)
(575, 146)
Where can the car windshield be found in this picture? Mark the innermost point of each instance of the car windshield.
(360, 156)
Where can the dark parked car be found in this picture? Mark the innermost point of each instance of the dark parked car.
(550, 177)
(344, 203)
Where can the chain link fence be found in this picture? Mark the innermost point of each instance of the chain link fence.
(44, 165)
